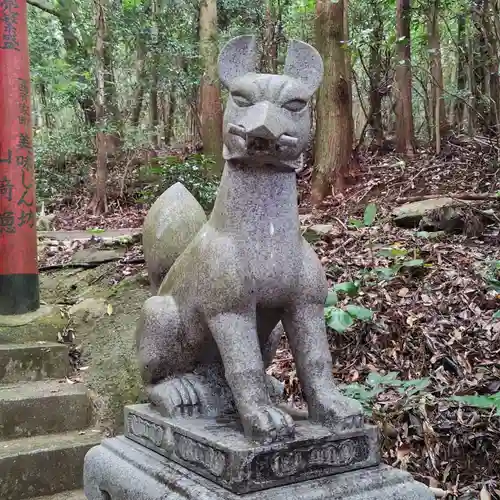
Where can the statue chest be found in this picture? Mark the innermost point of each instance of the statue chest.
(273, 269)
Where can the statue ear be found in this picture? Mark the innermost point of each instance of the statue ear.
(304, 63)
(237, 58)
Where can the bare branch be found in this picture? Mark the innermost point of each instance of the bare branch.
(40, 5)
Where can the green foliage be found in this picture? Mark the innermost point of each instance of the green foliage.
(409, 391)
(55, 152)
(489, 402)
(401, 260)
(368, 217)
(492, 275)
(194, 172)
(339, 319)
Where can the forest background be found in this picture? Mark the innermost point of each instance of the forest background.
(126, 101)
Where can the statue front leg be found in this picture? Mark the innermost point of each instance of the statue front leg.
(236, 336)
(304, 325)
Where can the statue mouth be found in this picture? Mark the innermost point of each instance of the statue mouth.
(256, 144)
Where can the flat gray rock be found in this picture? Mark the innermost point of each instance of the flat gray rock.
(107, 236)
(96, 256)
(410, 214)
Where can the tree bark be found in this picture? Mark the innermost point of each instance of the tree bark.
(153, 93)
(168, 116)
(140, 75)
(405, 141)
(269, 60)
(478, 60)
(437, 109)
(211, 107)
(99, 202)
(459, 107)
(375, 77)
(334, 125)
(493, 66)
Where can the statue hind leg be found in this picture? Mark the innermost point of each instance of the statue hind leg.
(167, 369)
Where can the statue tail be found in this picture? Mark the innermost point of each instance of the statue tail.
(171, 223)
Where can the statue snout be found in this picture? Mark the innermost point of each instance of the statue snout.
(262, 129)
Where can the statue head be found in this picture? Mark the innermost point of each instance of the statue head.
(267, 117)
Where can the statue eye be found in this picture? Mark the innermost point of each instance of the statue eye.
(295, 105)
(241, 101)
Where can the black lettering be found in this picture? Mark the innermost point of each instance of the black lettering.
(23, 108)
(10, 19)
(7, 223)
(24, 141)
(6, 188)
(27, 188)
(24, 161)
(26, 218)
(7, 160)
(23, 89)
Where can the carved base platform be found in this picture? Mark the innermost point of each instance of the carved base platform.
(120, 469)
(218, 451)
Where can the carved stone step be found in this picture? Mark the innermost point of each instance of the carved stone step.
(44, 465)
(126, 470)
(219, 452)
(37, 408)
(34, 361)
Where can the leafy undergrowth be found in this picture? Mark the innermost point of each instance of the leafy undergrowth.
(432, 332)
(433, 322)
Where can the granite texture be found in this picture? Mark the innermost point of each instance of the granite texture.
(120, 469)
(218, 450)
(205, 339)
(171, 223)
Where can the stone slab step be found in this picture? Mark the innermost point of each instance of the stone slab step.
(65, 495)
(44, 465)
(33, 361)
(38, 408)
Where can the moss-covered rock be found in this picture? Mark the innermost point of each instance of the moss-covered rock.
(43, 324)
(108, 348)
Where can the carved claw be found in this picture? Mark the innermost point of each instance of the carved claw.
(267, 424)
(337, 412)
(178, 396)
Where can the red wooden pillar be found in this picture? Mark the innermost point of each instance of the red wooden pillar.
(19, 288)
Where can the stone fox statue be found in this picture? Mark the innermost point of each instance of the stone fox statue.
(205, 338)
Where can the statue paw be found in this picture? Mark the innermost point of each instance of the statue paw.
(178, 396)
(267, 424)
(337, 412)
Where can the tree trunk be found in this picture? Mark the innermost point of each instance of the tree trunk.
(211, 107)
(140, 76)
(493, 66)
(269, 60)
(334, 125)
(168, 116)
(153, 93)
(478, 59)
(375, 76)
(458, 115)
(437, 109)
(48, 118)
(348, 56)
(405, 142)
(471, 80)
(99, 201)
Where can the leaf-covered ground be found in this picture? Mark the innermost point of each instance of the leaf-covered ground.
(433, 322)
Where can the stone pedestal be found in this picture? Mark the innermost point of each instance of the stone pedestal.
(202, 459)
